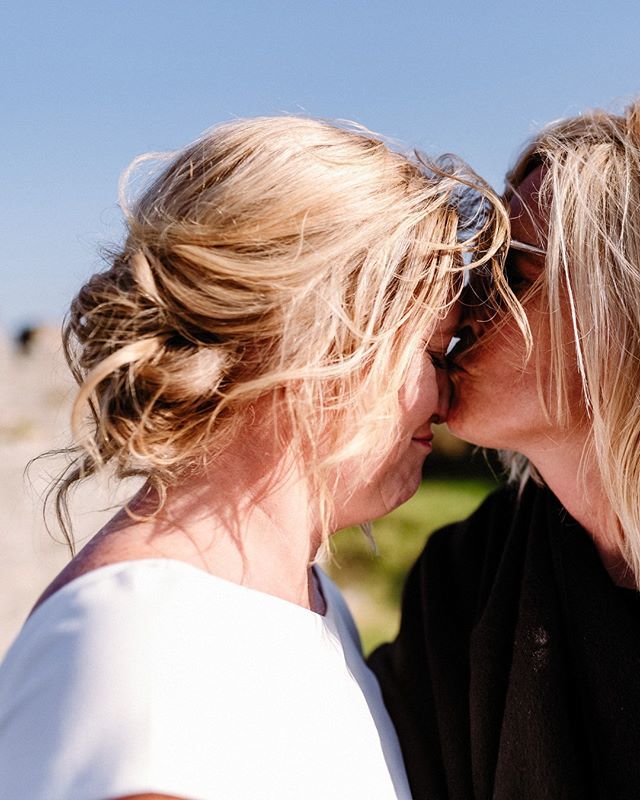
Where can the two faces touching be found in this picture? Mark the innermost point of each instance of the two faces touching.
(492, 357)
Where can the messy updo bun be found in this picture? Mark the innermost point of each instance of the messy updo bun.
(273, 254)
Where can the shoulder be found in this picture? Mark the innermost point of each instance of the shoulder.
(154, 614)
(104, 640)
(76, 685)
(133, 675)
(115, 604)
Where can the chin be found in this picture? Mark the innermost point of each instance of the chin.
(473, 432)
(400, 494)
(385, 492)
(482, 433)
(465, 422)
(461, 424)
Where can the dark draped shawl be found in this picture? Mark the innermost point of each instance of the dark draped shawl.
(516, 671)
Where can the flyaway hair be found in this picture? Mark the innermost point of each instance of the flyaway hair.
(591, 193)
(283, 257)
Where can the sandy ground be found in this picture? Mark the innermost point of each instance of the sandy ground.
(35, 392)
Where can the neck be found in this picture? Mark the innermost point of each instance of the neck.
(578, 486)
(239, 521)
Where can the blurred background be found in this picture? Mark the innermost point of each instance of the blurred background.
(87, 86)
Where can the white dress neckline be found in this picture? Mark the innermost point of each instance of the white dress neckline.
(98, 573)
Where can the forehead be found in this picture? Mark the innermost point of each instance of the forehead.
(528, 220)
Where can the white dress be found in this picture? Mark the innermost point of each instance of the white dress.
(153, 675)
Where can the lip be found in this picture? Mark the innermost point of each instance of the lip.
(424, 441)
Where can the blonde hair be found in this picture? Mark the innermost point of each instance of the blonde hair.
(282, 255)
(591, 194)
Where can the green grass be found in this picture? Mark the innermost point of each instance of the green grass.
(373, 583)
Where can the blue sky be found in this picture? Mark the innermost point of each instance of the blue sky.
(87, 86)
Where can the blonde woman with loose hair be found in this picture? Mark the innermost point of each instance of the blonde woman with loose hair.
(520, 648)
(266, 350)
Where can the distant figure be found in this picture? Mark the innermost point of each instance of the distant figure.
(24, 339)
(267, 350)
(515, 674)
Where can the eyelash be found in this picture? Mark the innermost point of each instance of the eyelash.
(438, 360)
(517, 282)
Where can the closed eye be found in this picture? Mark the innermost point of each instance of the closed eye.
(518, 283)
(438, 360)
(463, 339)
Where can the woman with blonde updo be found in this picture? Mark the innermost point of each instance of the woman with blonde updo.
(265, 351)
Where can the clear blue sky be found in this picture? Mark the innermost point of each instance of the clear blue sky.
(86, 86)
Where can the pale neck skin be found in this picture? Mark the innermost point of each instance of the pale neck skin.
(581, 492)
(246, 519)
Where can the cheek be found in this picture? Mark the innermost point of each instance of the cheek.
(496, 394)
(494, 364)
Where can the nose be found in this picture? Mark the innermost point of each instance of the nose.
(445, 387)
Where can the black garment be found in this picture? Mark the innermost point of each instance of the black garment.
(516, 672)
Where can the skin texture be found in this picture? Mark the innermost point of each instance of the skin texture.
(496, 402)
